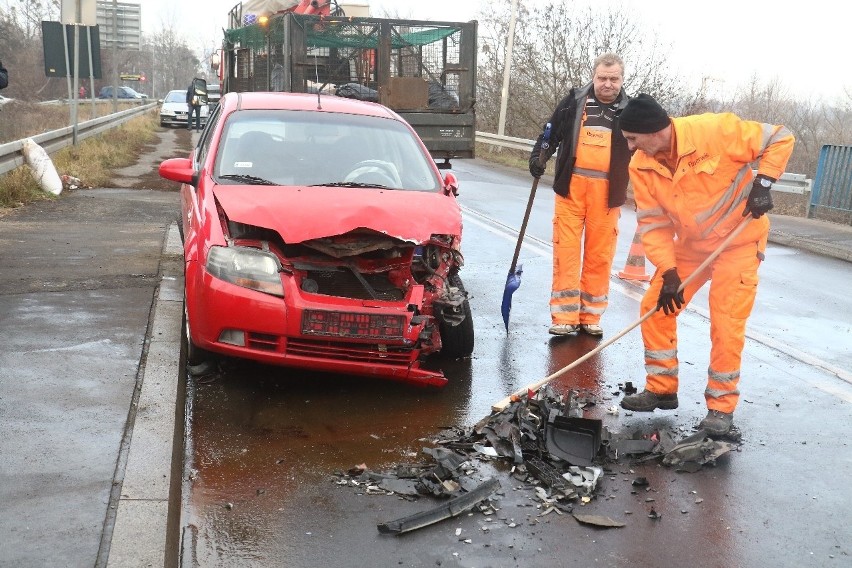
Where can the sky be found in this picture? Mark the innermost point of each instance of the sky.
(802, 45)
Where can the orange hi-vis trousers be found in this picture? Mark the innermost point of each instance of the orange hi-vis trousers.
(733, 286)
(583, 227)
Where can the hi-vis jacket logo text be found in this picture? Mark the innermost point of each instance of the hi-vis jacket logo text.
(695, 162)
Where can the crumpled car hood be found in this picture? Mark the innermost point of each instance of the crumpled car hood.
(303, 213)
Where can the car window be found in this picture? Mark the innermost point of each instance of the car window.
(176, 97)
(207, 138)
(321, 148)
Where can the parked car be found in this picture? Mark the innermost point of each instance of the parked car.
(123, 93)
(214, 93)
(320, 235)
(174, 110)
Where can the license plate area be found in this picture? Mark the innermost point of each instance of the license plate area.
(352, 325)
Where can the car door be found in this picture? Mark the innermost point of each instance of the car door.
(195, 200)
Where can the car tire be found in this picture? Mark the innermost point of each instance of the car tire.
(457, 340)
(195, 355)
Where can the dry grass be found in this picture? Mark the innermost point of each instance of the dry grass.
(91, 160)
(19, 120)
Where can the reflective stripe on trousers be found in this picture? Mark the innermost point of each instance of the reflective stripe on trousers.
(733, 287)
(584, 229)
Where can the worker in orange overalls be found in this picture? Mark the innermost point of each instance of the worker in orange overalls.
(591, 186)
(693, 184)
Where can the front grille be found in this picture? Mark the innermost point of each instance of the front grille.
(344, 284)
(262, 341)
(368, 353)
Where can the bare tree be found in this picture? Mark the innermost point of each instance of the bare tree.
(555, 46)
(21, 49)
(176, 62)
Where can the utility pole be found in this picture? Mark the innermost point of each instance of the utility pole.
(507, 67)
(115, 56)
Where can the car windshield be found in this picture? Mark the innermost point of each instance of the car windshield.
(311, 148)
(176, 97)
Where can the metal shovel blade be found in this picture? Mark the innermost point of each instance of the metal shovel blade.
(513, 282)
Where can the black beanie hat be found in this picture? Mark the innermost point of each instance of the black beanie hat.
(643, 115)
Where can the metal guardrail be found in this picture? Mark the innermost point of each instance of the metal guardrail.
(787, 183)
(11, 155)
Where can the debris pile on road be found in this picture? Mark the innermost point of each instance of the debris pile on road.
(553, 450)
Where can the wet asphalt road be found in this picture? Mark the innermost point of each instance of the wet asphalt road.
(264, 442)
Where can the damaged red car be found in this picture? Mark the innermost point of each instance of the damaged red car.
(319, 234)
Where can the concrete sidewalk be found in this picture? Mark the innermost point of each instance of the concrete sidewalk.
(813, 235)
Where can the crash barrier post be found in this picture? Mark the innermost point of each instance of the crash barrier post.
(634, 268)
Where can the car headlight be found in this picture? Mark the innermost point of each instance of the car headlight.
(165, 112)
(246, 267)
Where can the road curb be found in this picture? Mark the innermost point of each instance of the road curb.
(819, 247)
(140, 535)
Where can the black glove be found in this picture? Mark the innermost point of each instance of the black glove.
(536, 168)
(760, 199)
(669, 294)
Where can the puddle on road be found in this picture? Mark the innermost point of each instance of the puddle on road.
(269, 429)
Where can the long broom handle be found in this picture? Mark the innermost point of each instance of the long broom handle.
(545, 144)
(502, 404)
(523, 226)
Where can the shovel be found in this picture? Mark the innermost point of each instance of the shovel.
(513, 280)
(533, 387)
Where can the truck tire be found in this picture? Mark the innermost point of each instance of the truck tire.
(457, 341)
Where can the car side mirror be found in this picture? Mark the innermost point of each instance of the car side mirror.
(180, 170)
(451, 184)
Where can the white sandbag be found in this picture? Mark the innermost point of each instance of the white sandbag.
(41, 166)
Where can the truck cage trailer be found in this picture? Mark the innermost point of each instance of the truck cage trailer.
(423, 70)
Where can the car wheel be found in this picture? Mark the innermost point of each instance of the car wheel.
(195, 355)
(457, 340)
(162, 124)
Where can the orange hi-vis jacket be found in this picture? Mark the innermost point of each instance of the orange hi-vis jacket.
(703, 199)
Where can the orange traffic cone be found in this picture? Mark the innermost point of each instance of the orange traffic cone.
(634, 268)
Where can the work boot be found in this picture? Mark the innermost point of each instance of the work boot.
(563, 329)
(592, 329)
(717, 423)
(647, 401)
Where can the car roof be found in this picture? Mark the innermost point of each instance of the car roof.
(303, 101)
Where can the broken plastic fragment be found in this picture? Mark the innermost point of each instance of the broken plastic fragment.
(451, 508)
(357, 470)
(486, 450)
(598, 520)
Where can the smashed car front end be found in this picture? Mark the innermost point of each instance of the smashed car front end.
(362, 302)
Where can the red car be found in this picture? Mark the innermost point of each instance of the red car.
(319, 234)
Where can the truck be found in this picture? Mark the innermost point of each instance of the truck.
(423, 70)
